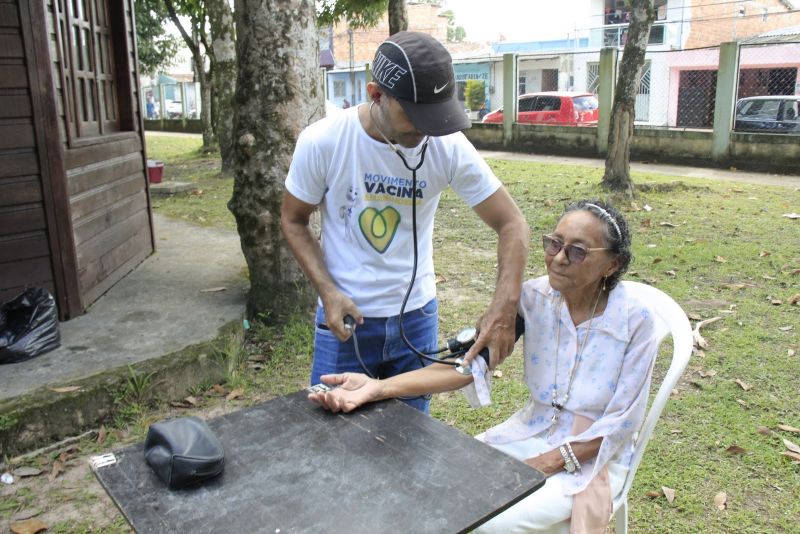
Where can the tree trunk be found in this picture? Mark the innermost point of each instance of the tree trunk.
(617, 176)
(398, 16)
(209, 141)
(223, 77)
(278, 93)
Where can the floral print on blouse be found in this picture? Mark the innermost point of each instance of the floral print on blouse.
(611, 383)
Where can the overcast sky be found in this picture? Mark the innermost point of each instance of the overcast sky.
(518, 20)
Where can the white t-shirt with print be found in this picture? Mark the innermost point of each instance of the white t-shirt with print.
(364, 194)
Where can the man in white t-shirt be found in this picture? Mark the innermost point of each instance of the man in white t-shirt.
(377, 202)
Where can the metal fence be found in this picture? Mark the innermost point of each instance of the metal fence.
(179, 100)
(768, 96)
(677, 89)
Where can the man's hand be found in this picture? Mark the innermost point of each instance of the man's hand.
(337, 306)
(354, 390)
(496, 331)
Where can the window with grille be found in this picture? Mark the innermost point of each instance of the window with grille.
(521, 85)
(592, 77)
(88, 70)
(338, 89)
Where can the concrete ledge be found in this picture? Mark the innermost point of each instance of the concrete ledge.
(165, 189)
(43, 415)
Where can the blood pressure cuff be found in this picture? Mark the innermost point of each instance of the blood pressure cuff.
(183, 451)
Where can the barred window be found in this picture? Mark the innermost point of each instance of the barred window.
(592, 77)
(338, 89)
(86, 43)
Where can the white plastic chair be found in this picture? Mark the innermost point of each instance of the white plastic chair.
(672, 318)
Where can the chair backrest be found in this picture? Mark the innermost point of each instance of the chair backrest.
(672, 318)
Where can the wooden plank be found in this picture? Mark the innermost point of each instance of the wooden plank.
(21, 219)
(98, 277)
(24, 246)
(79, 157)
(10, 43)
(18, 163)
(13, 76)
(100, 245)
(14, 103)
(9, 17)
(20, 273)
(11, 292)
(16, 134)
(102, 173)
(98, 222)
(24, 190)
(98, 199)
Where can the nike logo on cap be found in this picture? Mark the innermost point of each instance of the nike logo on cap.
(437, 90)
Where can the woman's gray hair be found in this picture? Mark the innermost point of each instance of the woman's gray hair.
(615, 233)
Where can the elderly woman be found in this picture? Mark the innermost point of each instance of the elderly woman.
(589, 349)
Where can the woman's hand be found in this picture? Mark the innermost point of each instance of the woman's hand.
(354, 390)
(548, 463)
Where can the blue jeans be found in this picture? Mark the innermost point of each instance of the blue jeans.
(382, 349)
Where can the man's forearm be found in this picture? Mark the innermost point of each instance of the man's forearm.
(308, 253)
(512, 255)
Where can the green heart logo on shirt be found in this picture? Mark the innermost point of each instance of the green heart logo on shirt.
(379, 227)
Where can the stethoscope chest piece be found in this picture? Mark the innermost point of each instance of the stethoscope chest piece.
(465, 370)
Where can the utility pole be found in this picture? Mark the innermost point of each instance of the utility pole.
(352, 72)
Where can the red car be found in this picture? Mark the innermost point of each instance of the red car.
(558, 108)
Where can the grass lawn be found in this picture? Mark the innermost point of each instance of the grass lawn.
(720, 249)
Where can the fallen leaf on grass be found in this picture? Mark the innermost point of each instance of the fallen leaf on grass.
(234, 394)
(776, 302)
(219, 389)
(646, 223)
(764, 431)
(23, 472)
(101, 435)
(792, 446)
(549, 203)
(668, 224)
(745, 386)
(699, 341)
(735, 449)
(441, 279)
(792, 455)
(657, 260)
(737, 190)
(720, 259)
(694, 317)
(721, 500)
(58, 468)
(653, 494)
(707, 374)
(214, 289)
(497, 374)
(66, 455)
(792, 215)
(671, 273)
(794, 299)
(669, 493)
(191, 400)
(742, 403)
(66, 389)
(178, 404)
(763, 253)
(785, 328)
(785, 428)
(646, 207)
(31, 526)
(790, 352)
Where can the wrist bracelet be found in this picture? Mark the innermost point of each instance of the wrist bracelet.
(573, 457)
(569, 466)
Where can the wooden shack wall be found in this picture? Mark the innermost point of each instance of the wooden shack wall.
(74, 210)
(106, 175)
(32, 229)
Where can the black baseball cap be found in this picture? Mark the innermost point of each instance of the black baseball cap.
(418, 71)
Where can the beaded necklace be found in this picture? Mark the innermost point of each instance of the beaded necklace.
(558, 406)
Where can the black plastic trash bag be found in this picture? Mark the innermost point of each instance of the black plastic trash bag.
(28, 326)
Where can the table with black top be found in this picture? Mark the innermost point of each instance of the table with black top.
(291, 466)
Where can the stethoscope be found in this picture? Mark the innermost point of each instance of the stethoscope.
(460, 344)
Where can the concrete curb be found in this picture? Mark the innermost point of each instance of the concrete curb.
(44, 415)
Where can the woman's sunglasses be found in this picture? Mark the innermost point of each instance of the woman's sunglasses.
(575, 253)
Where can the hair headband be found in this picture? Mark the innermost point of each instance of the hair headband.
(608, 216)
